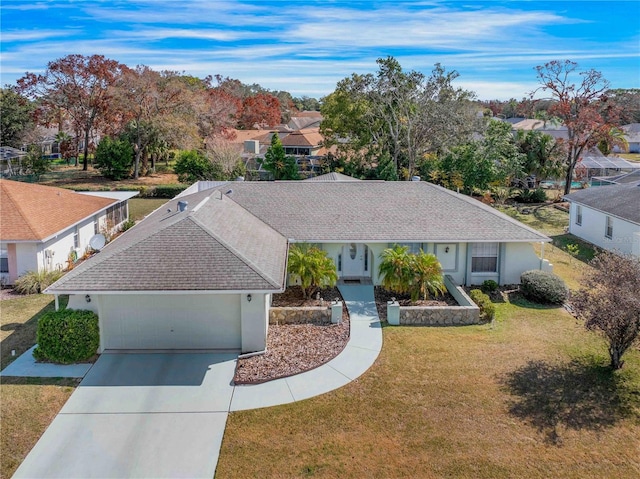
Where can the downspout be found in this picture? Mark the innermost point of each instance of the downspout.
(541, 254)
(56, 302)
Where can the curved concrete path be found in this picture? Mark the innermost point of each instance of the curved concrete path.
(164, 415)
(365, 343)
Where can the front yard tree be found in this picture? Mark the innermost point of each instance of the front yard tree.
(80, 86)
(114, 158)
(417, 274)
(311, 267)
(609, 302)
(580, 104)
(427, 273)
(277, 162)
(395, 269)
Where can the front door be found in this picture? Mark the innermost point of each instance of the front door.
(353, 260)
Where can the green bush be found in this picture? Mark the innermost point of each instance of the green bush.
(128, 224)
(34, 282)
(193, 166)
(487, 308)
(489, 286)
(67, 336)
(165, 191)
(531, 196)
(114, 158)
(543, 287)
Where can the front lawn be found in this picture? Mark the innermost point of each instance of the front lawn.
(527, 398)
(28, 404)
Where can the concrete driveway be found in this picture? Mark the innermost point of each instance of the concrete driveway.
(139, 415)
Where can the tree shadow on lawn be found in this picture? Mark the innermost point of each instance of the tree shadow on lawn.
(581, 394)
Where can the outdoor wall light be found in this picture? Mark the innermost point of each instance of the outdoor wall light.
(249, 297)
(87, 298)
(446, 250)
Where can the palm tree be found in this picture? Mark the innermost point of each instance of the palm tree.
(311, 266)
(427, 276)
(395, 269)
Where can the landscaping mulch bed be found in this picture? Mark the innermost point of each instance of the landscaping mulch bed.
(295, 348)
(383, 295)
(9, 293)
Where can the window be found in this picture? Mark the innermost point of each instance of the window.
(76, 237)
(339, 262)
(4, 265)
(117, 214)
(578, 215)
(484, 258)
(608, 233)
(412, 248)
(366, 258)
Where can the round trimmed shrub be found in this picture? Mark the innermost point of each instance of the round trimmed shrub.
(67, 336)
(489, 286)
(543, 287)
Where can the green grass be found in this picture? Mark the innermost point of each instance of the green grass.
(529, 397)
(141, 207)
(630, 156)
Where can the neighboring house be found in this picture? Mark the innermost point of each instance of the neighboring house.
(41, 226)
(623, 179)
(632, 136)
(199, 273)
(607, 216)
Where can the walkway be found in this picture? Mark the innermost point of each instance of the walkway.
(164, 415)
(360, 353)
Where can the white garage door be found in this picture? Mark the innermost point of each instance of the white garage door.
(171, 321)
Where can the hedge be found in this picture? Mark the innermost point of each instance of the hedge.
(487, 308)
(67, 336)
(543, 287)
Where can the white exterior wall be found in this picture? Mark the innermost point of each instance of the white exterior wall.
(171, 321)
(26, 257)
(626, 235)
(63, 244)
(518, 258)
(255, 321)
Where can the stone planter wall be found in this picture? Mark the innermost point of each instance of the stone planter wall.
(439, 315)
(292, 315)
(467, 313)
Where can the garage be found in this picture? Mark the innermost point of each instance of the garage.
(170, 321)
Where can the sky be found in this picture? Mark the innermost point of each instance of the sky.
(306, 47)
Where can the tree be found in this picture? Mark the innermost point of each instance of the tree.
(80, 86)
(398, 113)
(282, 166)
(262, 109)
(158, 107)
(395, 269)
(609, 302)
(114, 158)
(311, 266)
(15, 117)
(580, 105)
(193, 166)
(35, 163)
(465, 168)
(224, 155)
(543, 155)
(499, 146)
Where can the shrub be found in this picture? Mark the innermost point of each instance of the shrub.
(67, 336)
(543, 287)
(311, 266)
(489, 286)
(531, 196)
(114, 158)
(34, 282)
(166, 191)
(128, 224)
(192, 166)
(487, 308)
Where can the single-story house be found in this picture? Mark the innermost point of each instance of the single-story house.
(199, 273)
(607, 216)
(42, 226)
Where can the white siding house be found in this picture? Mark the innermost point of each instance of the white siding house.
(608, 217)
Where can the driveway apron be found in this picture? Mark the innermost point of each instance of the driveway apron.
(139, 415)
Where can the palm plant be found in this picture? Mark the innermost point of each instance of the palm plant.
(395, 269)
(311, 266)
(427, 276)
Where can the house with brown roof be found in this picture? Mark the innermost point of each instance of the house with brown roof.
(42, 227)
(200, 272)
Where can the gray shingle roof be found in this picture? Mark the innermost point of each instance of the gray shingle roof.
(214, 245)
(234, 237)
(377, 212)
(333, 176)
(622, 201)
